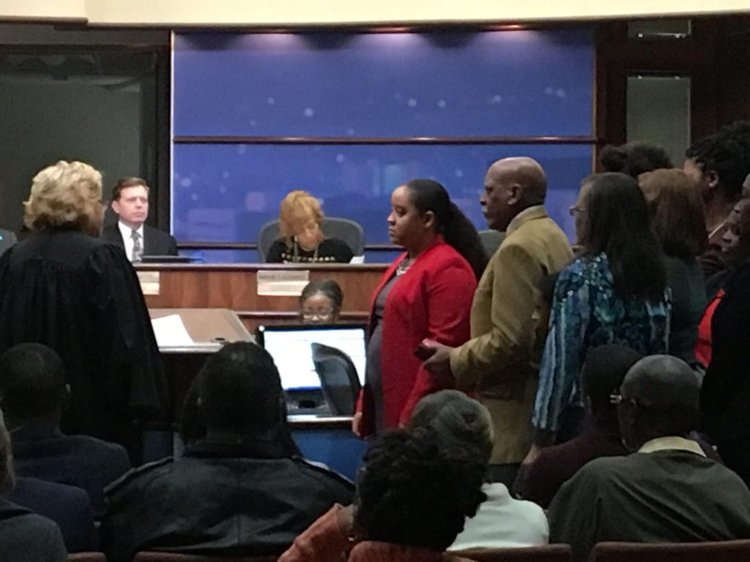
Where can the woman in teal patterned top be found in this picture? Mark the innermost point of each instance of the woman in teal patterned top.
(614, 293)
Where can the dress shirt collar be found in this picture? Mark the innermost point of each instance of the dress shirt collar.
(671, 443)
(530, 213)
(127, 232)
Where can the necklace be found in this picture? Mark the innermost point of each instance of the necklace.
(403, 267)
(295, 257)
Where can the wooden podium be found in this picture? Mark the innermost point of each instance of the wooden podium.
(209, 328)
(236, 288)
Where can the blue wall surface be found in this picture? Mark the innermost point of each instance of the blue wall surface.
(456, 86)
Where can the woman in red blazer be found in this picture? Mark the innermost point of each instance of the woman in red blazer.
(426, 293)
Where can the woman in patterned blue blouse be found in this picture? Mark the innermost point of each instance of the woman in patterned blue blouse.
(614, 293)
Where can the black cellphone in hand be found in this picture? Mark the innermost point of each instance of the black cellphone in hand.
(424, 352)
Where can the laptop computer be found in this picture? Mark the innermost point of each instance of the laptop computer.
(291, 349)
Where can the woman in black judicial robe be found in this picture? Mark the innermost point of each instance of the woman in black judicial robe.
(64, 287)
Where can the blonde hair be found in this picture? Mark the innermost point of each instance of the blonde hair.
(297, 210)
(66, 194)
(7, 478)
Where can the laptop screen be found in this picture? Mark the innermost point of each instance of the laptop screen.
(290, 348)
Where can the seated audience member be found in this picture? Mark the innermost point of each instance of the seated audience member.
(68, 506)
(130, 203)
(634, 158)
(735, 247)
(501, 521)
(602, 372)
(238, 490)
(413, 499)
(320, 302)
(460, 424)
(677, 216)
(24, 535)
(667, 490)
(300, 238)
(719, 163)
(64, 287)
(33, 395)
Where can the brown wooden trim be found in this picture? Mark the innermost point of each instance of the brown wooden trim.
(216, 246)
(383, 140)
(191, 245)
(290, 316)
(344, 267)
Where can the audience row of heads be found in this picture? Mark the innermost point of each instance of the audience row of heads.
(432, 471)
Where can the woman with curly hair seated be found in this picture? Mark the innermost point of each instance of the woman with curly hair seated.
(421, 493)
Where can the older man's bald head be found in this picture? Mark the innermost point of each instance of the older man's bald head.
(524, 171)
(510, 186)
(663, 395)
(661, 380)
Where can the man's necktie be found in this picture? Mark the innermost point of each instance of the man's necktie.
(137, 246)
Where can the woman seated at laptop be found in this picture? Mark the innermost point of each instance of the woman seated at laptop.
(300, 238)
(320, 302)
(425, 294)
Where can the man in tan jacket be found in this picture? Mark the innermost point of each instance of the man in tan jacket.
(508, 315)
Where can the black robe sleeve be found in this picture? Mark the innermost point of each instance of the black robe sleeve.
(126, 348)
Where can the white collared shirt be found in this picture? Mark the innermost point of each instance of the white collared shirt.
(672, 443)
(502, 521)
(127, 238)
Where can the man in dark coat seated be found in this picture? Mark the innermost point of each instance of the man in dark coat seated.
(24, 535)
(240, 489)
(666, 490)
(68, 506)
(33, 395)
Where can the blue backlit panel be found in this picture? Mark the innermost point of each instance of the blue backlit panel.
(224, 193)
(457, 85)
(521, 83)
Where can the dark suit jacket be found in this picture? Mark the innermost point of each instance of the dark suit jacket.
(29, 537)
(67, 506)
(46, 453)
(219, 498)
(155, 242)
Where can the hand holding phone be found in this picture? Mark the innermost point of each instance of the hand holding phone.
(425, 349)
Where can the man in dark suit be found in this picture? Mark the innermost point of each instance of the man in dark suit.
(130, 202)
(33, 394)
